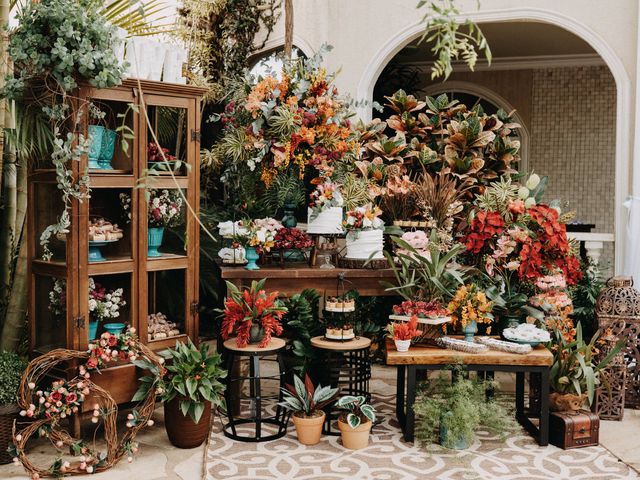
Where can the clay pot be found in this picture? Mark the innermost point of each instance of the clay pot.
(309, 429)
(182, 431)
(354, 438)
(562, 402)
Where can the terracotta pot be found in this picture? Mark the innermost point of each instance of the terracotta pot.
(354, 438)
(562, 402)
(182, 431)
(309, 429)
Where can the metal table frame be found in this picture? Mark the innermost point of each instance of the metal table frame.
(406, 396)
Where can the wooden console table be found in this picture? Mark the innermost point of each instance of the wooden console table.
(424, 358)
(294, 279)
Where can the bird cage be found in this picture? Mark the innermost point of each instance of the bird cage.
(618, 313)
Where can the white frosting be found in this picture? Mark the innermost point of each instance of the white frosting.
(327, 222)
(361, 244)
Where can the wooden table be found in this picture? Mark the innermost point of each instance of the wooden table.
(424, 358)
(297, 277)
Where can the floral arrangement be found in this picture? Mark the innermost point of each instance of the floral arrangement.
(470, 304)
(246, 308)
(326, 195)
(292, 238)
(155, 153)
(292, 121)
(62, 399)
(104, 304)
(111, 348)
(364, 218)
(125, 203)
(58, 297)
(398, 197)
(260, 234)
(516, 234)
(420, 309)
(404, 330)
(165, 208)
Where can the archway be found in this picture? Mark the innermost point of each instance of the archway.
(623, 89)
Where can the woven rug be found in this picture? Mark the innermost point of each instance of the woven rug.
(389, 457)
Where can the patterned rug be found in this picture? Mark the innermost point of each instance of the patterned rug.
(388, 457)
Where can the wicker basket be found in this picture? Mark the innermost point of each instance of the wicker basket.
(430, 328)
(8, 413)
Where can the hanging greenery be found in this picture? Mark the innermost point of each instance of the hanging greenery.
(221, 36)
(450, 38)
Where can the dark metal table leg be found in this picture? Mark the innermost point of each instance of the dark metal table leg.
(519, 394)
(544, 408)
(255, 387)
(409, 425)
(400, 393)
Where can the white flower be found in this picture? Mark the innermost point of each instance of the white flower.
(529, 202)
(533, 182)
(523, 193)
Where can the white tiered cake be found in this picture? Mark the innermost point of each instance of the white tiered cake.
(361, 244)
(327, 222)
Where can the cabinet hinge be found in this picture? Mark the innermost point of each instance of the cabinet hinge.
(195, 135)
(195, 306)
(79, 321)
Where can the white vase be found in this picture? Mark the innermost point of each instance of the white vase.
(402, 345)
(133, 55)
(158, 51)
(174, 58)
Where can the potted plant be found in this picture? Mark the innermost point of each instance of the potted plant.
(292, 243)
(403, 332)
(252, 314)
(189, 387)
(104, 305)
(450, 412)
(356, 423)
(306, 402)
(469, 307)
(164, 210)
(11, 368)
(575, 373)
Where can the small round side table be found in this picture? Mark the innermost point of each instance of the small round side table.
(264, 419)
(349, 368)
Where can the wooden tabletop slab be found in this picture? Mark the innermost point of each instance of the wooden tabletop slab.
(428, 355)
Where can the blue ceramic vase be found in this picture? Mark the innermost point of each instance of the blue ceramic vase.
(470, 330)
(154, 241)
(93, 329)
(96, 132)
(107, 148)
(252, 257)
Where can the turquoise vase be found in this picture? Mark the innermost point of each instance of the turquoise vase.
(154, 241)
(93, 329)
(114, 328)
(107, 149)
(289, 220)
(252, 257)
(96, 132)
(457, 444)
(470, 330)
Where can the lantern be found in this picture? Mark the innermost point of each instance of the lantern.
(618, 313)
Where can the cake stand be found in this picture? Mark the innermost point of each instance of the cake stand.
(95, 254)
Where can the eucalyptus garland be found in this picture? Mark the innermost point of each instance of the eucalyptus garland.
(57, 44)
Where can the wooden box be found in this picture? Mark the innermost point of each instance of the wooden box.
(574, 429)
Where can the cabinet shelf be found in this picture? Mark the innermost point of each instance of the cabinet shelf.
(167, 286)
(168, 261)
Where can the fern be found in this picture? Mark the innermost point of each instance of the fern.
(284, 189)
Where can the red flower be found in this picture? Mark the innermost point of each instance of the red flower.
(113, 341)
(516, 207)
(71, 398)
(484, 226)
(55, 397)
(92, 362)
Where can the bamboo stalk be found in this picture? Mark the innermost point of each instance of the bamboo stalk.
(21, 200)
(9, 217)
(17, 306)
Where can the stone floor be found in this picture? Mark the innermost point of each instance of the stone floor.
(158, 459)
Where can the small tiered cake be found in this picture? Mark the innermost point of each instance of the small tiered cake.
(340, 333)
(327, 222)
(361, 244)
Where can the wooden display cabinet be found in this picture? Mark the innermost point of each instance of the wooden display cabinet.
(167, 284)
